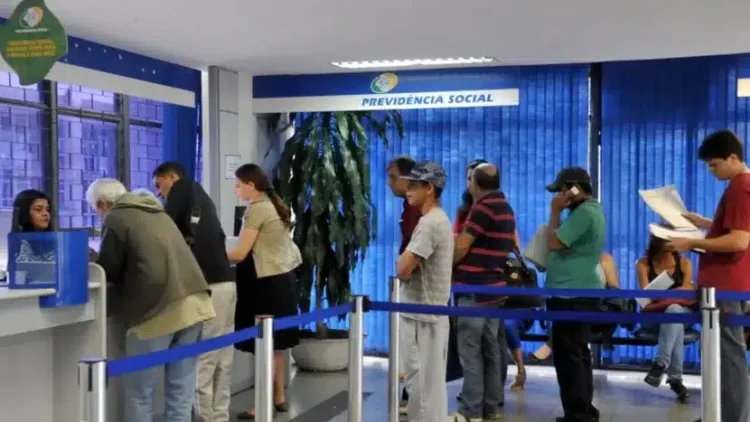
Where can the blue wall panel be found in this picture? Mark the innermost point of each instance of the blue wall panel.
(655, 115)
(531, 142)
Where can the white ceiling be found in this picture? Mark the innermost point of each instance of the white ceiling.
(287, 36)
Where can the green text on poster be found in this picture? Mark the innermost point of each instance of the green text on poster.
(32, 41)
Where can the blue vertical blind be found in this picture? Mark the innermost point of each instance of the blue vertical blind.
(654, 116)
(530, 143)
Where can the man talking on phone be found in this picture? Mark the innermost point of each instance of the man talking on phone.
(575, 245)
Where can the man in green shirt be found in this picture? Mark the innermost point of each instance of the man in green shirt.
(575, 245)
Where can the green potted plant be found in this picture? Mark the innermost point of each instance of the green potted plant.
(324, 176)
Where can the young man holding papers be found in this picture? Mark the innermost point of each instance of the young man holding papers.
(726, 262)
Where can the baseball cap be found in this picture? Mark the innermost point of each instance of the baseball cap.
(429, 172)
(570, 175)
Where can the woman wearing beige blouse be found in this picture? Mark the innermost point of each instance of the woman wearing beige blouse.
(266, 232)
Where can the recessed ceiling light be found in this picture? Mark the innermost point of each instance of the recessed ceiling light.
(414, 62)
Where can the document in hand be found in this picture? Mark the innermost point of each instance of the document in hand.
(667, 203)
(662, 282)
(666, 234)
(536, 251)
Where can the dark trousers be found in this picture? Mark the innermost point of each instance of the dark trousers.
(572, 359)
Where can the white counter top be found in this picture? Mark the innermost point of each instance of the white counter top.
(14, 294)
(8, 294)
(20, 311)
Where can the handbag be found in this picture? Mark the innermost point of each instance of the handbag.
(519, 274)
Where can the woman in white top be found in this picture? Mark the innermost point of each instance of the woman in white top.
(607, 271)
(273, 289)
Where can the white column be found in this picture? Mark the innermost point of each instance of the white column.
(232, 129)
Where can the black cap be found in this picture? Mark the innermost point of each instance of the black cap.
(570, 175)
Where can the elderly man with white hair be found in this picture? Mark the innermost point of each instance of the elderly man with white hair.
(164, 296)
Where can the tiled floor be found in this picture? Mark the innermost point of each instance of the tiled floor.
(620, 396)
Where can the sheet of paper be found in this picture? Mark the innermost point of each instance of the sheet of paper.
(667, 203)
(666, 234)
(536, 251)
(662, 282)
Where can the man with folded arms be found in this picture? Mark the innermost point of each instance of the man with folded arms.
(726, 262)
(398, 167)
(426, 264)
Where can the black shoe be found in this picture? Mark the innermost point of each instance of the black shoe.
(680, 390)
(655, 374)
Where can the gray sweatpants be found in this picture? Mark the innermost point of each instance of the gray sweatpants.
(735, 395)
(424, 356)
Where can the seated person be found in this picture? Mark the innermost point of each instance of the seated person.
(31, 212)
(671, 336)
(607, 271)
(513, 339)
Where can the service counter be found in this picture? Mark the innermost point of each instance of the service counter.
(40, 349)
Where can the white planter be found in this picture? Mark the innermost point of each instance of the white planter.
(321, 355)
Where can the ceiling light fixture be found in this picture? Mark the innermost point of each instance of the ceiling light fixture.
(413, 62)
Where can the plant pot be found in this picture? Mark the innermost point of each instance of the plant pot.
(316, 354)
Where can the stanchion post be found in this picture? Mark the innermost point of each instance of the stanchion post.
(264, 369)
(393, 354)
(92, 387)
(356, 346)
(710, 357)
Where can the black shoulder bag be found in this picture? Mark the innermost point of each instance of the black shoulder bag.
(519, 274)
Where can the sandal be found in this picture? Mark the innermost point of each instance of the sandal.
(277, 408)
(519, 382)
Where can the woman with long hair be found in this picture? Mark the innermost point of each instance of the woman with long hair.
(607, 272)
(267, 224)
(669, 356)
(32, 212)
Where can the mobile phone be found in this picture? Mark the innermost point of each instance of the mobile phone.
(573, 192)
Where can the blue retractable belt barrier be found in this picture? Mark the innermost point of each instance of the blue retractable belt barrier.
(500, 313)
(598, 293)
(136, 363)
(304, 319)
(131, 364)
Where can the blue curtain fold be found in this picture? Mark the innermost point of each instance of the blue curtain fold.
(655, 114)
(530, 143)
(180, 135)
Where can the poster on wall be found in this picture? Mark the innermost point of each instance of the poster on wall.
(32, 40)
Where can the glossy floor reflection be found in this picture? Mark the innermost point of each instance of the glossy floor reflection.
(620, 396)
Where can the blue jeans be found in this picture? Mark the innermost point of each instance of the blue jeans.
(479, 349)
(179, 379)
(671, 346)
(513, 337)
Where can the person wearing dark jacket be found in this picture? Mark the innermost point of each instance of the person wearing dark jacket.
(192, 210)
(163, 297)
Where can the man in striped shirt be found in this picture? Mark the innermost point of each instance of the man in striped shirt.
(482, 249)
